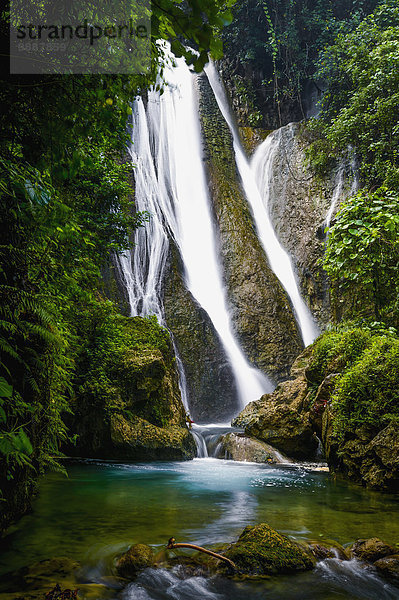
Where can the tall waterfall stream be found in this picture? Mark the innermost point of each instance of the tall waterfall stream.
(171, 185)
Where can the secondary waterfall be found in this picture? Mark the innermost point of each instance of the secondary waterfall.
(346, 167)
(256, 180)
(166, 151)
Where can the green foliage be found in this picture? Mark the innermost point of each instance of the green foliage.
(282, 40)
(336, 349)
(368, 392)
(362, 256)
(359, 109)
(366, 359)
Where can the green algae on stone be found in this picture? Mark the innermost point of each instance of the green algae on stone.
(136, 559)
(261, 550)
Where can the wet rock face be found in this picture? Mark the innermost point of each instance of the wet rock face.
(259, 307)
(211, 388)
(242, 448)
(298, 207)
(260, 550)
(282, 419)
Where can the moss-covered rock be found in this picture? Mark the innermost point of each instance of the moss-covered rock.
(211, 388)
(260, 310)
(251, 137)
(237, 446)
(359, 404)
(136, 559)
(130, 391)
(371, 549)
(138, 439)
(260, 550)
(388, 567)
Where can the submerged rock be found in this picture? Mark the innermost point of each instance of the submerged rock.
(260, 550)
(136, 559)
(239, 447)
(39, 578)
(389, 567)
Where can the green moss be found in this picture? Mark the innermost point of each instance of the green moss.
(336, 349)
(126, 368)
(260, 550)
(366, 389)
(368, 392)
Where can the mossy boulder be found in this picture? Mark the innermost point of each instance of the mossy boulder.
(136, 559)
(129, 389)
(357, 374)
(138, 439)
(260, 550)
(388, 567)
(260, 310)
(371, 550)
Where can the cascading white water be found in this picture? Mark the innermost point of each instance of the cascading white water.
(171, 185)
(256, 179)
(339, 185)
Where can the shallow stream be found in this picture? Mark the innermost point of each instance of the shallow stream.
(102, 508)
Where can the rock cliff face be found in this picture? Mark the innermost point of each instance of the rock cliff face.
(298, 206)
(303, 406)
(260, 310)
(140, 416)
(282, 418)
(211, 389)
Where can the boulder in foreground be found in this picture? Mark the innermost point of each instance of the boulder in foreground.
(260, 550)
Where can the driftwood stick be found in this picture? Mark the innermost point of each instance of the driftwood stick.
(172, 545)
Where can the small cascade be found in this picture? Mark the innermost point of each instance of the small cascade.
(256, 180)
(347, 168)
(202, 450)
(170, 184)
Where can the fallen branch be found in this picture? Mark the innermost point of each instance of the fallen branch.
(172, 545)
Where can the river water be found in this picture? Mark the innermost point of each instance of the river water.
(102, 508)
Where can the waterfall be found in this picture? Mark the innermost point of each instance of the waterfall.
(256, 180)
(170, 184)
(346, 165)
